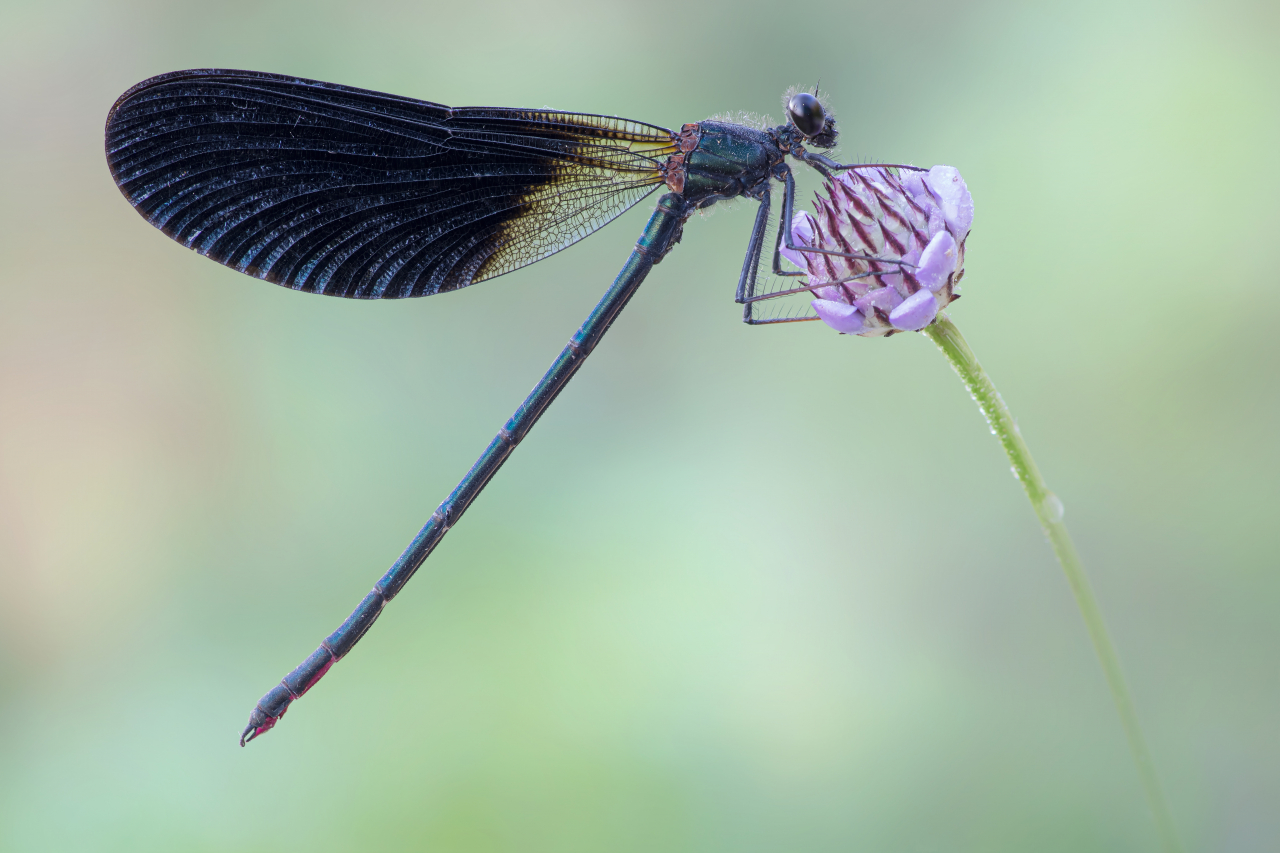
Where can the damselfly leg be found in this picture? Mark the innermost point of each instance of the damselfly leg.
(747, 294)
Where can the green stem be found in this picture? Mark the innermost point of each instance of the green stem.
(1049, 510)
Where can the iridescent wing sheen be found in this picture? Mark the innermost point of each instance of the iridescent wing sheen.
(347, 192)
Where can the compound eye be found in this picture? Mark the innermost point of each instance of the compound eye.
(806, 113)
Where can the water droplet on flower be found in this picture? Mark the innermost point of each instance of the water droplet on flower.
(1051, 506)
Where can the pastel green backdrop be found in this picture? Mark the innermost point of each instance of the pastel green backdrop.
(742, 589)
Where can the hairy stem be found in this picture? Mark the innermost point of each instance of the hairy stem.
(1049, 510)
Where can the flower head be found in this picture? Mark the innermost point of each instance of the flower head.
(918, 218)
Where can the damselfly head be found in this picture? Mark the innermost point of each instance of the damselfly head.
(807, 115)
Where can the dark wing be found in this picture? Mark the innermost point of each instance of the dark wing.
(348, 192)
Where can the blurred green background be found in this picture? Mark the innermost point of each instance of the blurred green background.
(742, 589)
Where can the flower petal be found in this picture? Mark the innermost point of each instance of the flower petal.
(915, 312)
(885, 298)
(953, 197)
(913, 182)
(843, 318)
(937, 261)
(803, 227)
(802, 231)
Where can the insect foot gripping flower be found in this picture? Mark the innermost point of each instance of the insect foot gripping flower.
(917, 217)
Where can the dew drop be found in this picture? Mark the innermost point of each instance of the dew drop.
(1052, 508)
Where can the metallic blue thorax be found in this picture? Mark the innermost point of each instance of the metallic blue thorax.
(730, 160)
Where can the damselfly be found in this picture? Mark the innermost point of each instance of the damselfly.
(346, 192)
